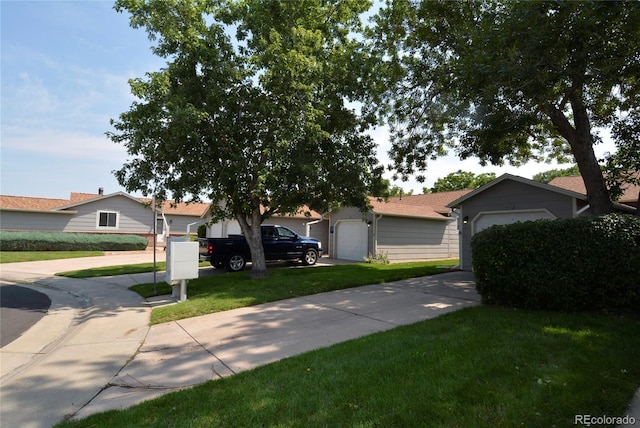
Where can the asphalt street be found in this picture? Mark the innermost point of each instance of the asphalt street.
(20, 308)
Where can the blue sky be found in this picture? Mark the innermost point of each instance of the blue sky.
(65, 67)
(64, 72)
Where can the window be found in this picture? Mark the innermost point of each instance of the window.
(285, 233)
(107, 219)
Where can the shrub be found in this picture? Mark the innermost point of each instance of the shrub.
(586, 263)
(202, 231)
(378, 259)
(60, 241)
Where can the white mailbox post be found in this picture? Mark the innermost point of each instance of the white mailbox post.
(182, 265)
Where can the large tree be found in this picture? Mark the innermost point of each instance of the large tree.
(252, 110)
(509, 81)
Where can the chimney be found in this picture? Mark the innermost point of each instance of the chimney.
(100, 191)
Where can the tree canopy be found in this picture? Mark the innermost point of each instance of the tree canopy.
(253, 110)
(460, 180)
(510, 81)
(547, 176)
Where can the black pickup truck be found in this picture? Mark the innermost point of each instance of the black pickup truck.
(279, 243)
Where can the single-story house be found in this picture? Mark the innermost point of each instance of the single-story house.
(117, 213)
(510, 199)
(418, 227)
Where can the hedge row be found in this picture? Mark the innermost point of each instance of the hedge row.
(60, 241)
(579, 264)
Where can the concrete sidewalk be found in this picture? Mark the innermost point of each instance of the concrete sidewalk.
(194, 350)
(94, 351)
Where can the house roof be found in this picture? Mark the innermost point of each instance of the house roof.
(30, 204)
(180, 208)
(571, 191)
(575, 183)
(519, 179)
(393, 208)
(24, 203)
(438, 201)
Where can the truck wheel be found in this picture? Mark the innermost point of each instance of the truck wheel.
(310, 257)
(236, 263)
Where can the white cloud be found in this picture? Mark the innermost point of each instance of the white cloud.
(63, 144)
(31, 97)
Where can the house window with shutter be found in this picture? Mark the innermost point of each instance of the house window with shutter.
(108, 220)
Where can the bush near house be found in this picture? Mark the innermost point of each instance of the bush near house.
(581, 264)
(60, 241)
(202, 231)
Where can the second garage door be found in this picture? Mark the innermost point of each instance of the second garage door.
(351, 240)
(485, 220)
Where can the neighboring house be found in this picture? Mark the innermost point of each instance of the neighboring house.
(313, 225)
(98, 213)
(418, 227)
(510, 199)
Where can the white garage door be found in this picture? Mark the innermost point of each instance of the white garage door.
(351, 240)
(485, 220)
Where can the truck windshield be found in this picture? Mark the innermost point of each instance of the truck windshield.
(286, 233)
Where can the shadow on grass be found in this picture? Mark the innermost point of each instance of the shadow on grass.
(234, 290)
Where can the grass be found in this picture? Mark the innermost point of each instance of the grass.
(33, 256)
(114, 270)
(118, 270)
(477, 367)
(235, 290)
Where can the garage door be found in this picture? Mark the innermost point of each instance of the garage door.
(351, 240)
(485, 220)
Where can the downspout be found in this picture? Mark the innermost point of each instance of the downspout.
(375, 231)
(583, 209)
(165, 227)
(307, 229)
(332, 243)
(189, 227)
(457, 213)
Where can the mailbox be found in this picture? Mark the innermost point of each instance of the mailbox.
(182, 265)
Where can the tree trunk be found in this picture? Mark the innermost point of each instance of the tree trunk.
(581, 143)
(253, 235)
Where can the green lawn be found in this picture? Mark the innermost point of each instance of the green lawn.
(113, 270)
(33, 256)
(234, 290)
(477, 367)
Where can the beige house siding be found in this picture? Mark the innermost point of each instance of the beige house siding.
(401, 237)
(133, 217)
(414, 239)
(81, 212)
(24, 220)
